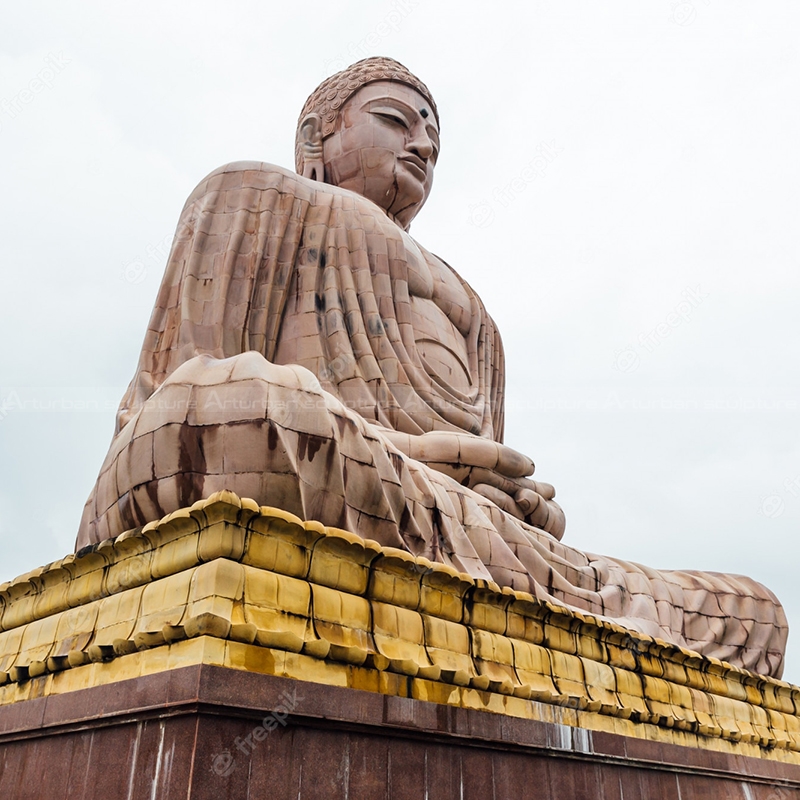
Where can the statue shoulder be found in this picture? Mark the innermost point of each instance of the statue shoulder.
(253, 175)
(259, 175)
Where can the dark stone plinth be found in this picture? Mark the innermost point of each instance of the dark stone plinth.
(184, 734)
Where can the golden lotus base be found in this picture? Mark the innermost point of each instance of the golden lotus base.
(253, 658)
(256, 590)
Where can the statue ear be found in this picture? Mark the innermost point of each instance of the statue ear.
(311, 144)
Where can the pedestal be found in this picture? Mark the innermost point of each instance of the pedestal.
(232, 651)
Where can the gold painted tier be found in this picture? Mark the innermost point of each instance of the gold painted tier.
(228, 583)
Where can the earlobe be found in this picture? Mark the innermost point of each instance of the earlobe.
(310, 135)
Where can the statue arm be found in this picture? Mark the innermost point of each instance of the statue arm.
(223, 290)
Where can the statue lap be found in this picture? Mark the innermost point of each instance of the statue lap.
(272, 433)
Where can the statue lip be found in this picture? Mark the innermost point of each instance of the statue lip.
(417, 162)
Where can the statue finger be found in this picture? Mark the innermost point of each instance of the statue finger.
(481, 475)
(540, 515)
(513, 464)
(500, 499)
(546, 490)
(527, 500)
(557, 521)
(526, 483)
(439, 447)
(478, 452)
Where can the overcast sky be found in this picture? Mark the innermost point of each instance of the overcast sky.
(620, 182)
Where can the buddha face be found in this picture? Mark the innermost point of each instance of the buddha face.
(384, 147)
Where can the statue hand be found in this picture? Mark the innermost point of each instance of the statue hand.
(495, 471)
(530, 501)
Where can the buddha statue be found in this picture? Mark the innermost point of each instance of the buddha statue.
(305, 351)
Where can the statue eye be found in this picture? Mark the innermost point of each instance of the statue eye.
(392, 117)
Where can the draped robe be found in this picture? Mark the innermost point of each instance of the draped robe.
(281, 354)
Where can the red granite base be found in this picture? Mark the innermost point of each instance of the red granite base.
(199, 732)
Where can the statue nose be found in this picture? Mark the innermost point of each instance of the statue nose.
(421, 145)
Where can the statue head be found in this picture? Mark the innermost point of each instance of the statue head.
(373, 129)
